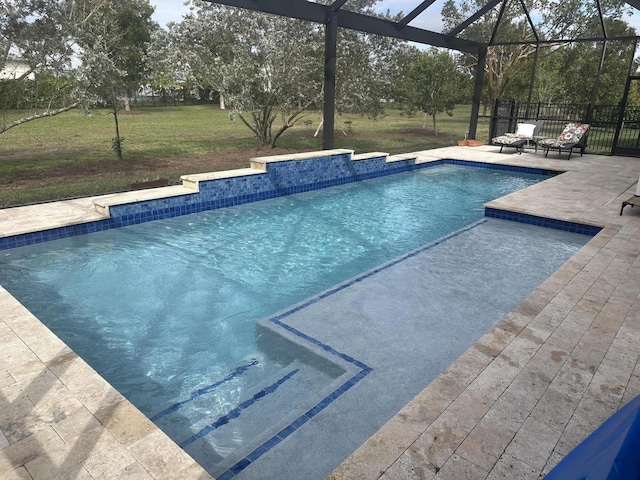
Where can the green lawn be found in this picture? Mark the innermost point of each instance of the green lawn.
(70, 155)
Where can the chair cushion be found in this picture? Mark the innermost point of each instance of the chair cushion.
(507, 139)
(573, 132)
(550, 142)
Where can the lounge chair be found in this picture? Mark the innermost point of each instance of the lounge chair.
(573, 136)
(524, 133)
(633, 201)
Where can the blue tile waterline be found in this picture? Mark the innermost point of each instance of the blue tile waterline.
(281, 179)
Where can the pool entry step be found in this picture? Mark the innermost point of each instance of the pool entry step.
(223, 422)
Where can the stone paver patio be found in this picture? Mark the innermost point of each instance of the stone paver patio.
(510, 407)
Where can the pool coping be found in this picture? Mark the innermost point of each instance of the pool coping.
(40, 374)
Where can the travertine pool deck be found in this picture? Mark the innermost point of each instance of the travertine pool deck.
(511, 407)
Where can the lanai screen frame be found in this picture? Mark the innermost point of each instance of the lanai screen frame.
(334, 16)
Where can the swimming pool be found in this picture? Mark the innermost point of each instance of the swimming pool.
(141, 298)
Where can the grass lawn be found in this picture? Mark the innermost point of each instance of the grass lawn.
(70, 155)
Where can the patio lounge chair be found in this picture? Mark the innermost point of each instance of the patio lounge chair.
(524, 133)
(573, 136)
(633, 201)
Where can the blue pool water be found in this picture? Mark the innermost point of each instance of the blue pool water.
(166, 311)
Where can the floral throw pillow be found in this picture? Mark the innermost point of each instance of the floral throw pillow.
(573, 132)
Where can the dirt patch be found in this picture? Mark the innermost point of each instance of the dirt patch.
(406, 132)
(142, 169)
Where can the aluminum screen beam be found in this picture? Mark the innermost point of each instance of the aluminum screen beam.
(315, 12)
(386, 28)
(298, 9)
(330, 60)
(337, 5)
(568, 40)
(416, 11)
(477, 93)
(489, 5)
(634, 3)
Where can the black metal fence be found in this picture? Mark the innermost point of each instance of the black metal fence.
(602, 118)
(148, 97)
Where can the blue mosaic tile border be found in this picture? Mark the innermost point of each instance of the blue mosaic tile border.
(542, 221)
(281, 178)
(55, 234)
(364, 369)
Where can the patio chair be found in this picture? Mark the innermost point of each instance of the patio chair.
(633, 201)
(573, 136)
(523, 134)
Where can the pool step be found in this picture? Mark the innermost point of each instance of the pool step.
(260, 413)
(212, 400)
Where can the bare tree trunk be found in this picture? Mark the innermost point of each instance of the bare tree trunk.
(435, 129)
(424, 120)
(222, 107)
(117, 141)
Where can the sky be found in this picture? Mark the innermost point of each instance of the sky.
(173, 10)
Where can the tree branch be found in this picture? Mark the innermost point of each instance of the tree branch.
(38, 116)
(290, 122)
(250, 127)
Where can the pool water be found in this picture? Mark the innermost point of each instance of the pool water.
(166, 311)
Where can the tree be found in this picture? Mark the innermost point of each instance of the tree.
(113, 42)
(259, 63)
(133, 20)
(267, 67)
(366, 65)
(189, 54)
(566, 73)
(51, 37)
(580, 63)
(38, 35)
(501, 61)
(547, 87)
(431, 82)
(166, 66)
(567, 19)
(269, 74)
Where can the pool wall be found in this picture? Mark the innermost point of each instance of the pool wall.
(268, 177)
(563, 225)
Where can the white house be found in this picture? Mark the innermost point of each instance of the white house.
(15, 68)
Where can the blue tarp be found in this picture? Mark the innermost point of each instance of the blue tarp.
(612, 452)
